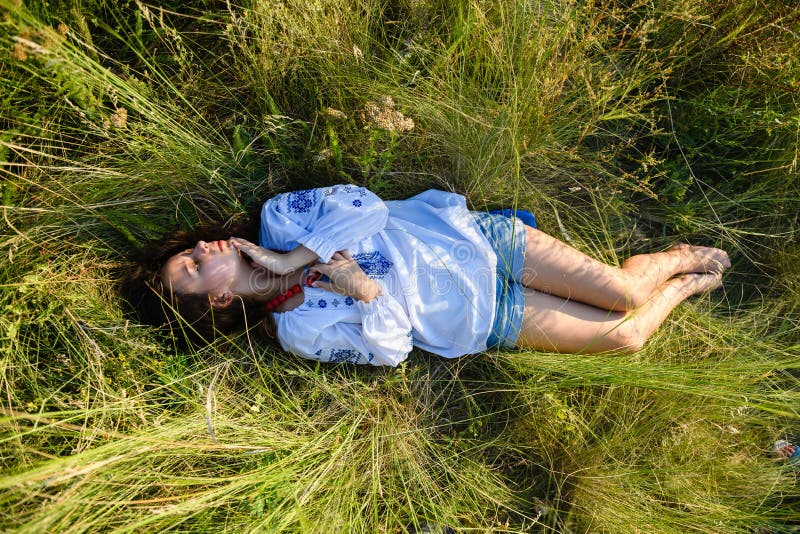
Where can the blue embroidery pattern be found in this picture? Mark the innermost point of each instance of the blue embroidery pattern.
(357, 203)
(374, 264)
(297, 201)
(344, 355)
(352, 189)
(335, 303)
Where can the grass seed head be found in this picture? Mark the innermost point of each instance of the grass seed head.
(382, 115)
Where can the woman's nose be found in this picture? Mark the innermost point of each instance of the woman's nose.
(202, 246)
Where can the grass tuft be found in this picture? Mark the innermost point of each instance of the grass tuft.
(625, 126)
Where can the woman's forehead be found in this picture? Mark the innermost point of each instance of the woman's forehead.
(176, 271)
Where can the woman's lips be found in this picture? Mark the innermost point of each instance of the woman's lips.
(219, 244)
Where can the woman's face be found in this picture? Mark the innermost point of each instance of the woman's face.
(214, 268)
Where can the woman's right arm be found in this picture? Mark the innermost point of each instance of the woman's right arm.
(276, 262)
(310, 225)
(322, 220)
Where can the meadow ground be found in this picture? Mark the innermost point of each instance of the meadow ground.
(625, 126)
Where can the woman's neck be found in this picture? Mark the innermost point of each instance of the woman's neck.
(263, 287)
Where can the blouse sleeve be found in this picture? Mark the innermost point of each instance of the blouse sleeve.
(382, 338)
(324, 220)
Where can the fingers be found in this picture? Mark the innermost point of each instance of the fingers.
(241, 244)
(241, 241)
(341, 255)
(323, 268)
(324, 285)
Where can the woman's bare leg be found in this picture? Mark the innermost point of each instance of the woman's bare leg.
(556, 268)
(556, 324)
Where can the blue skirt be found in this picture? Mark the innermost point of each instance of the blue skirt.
(506, 234)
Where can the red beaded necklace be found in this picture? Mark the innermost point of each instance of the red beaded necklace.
(277, 301)
(294, 290)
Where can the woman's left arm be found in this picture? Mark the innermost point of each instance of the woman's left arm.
(322, 220)
(383, 337)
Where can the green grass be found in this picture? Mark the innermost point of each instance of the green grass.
(625, 126)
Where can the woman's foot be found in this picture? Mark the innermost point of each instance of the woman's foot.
(699, 284)
(696, 259)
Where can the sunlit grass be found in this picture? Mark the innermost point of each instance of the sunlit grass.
(625, 128)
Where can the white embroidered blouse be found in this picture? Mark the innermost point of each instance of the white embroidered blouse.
(435, 268)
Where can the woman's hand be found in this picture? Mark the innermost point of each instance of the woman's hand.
(260, 256)
(346, 278)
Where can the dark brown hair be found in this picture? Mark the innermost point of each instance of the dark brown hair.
(188, 317)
